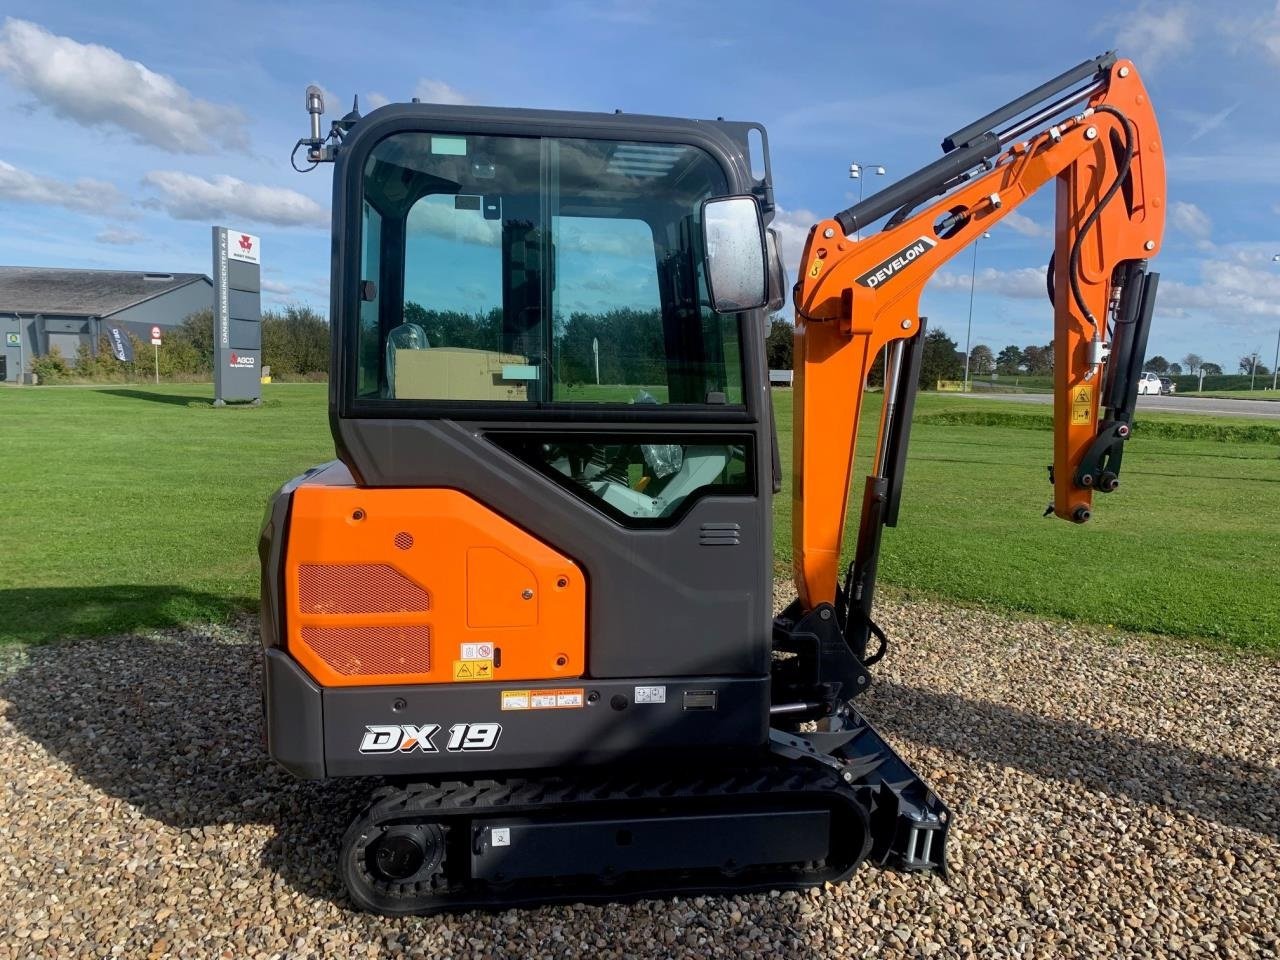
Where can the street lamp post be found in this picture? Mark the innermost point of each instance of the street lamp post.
(856, 170)
(1275, 364)
(968, 331)
(1253, 371)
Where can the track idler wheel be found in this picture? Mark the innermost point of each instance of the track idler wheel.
(394, 869)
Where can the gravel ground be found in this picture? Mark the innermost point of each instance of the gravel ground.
(1113, 798)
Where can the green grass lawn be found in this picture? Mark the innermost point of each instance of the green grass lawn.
(134, 506)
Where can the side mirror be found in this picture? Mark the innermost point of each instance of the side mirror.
(777, 272)
(733, 238)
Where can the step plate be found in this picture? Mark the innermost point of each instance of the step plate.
(523, 848)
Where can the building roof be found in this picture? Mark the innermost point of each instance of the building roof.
(83, 293)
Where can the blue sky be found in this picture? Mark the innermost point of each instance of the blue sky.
(104, 164)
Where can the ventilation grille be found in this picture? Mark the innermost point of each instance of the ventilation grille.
(358, 588)
(720, 535)
(363, 651)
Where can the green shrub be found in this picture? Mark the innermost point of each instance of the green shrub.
(51, 367)
(1228, 431)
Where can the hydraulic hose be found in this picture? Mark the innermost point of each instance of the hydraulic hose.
(1122, 171)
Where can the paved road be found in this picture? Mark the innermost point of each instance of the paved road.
(1175, 404)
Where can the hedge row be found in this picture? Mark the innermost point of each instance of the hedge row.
(1228, 431)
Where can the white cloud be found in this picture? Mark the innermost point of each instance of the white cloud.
(437, 216)
(1230, 290)
(91, 196)
(793, 230)
(1194, 222)
(376, 100)
(1154, 33)
(1024, 283)
(1025, 225)
(276, 287)
(1269, 35)
(185, 196)
(437, 91)
(97, 87)
(119, 238)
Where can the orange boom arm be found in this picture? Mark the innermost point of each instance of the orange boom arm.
(855, 298)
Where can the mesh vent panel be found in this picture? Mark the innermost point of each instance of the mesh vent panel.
(360, 651)
(358, 588)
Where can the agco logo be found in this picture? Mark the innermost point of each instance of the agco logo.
(407, 738)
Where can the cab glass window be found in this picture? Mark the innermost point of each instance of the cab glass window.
(534, 270)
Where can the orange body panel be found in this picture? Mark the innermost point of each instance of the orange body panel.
(387, 585)
(843, 324)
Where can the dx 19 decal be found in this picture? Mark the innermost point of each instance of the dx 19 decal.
(407, 738)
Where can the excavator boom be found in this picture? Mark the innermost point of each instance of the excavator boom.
(858, 297)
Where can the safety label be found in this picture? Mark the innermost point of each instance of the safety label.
(651, 694)
(560, 699)
(476, 651)
(473, 669)
(1082, 404)
(501, 836)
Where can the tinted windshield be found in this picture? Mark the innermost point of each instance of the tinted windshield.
(537, 270)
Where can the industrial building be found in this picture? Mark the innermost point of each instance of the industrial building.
(46, 307)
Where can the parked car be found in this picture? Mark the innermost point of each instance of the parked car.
(1149, 384)
(1167, 386)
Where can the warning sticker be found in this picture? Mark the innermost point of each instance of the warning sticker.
(1082, 404)
(501, 836)
(515, 699)
(651, 694)
(472, 670)
(560, 699)
(476, 651)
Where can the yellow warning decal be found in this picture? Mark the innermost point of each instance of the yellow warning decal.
(816, 268)
(1082, 404)
(472, 670)
(558, 699)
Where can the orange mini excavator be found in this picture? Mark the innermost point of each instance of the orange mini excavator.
(533, 594)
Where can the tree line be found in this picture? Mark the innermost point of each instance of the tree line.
(1013, 360)
(295, 345)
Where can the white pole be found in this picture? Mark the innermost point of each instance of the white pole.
(595, 352)
(968, 331)
(157, 350)
(1275, 364)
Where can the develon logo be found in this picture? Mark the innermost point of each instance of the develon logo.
(893, 265)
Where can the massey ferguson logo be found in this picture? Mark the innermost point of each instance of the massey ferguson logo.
(407, 738)
(890, 268)
(246, 242)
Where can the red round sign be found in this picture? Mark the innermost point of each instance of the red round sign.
(155, 333)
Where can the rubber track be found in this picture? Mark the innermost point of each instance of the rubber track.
(458, 803)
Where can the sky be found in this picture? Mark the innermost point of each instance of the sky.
(131, 127)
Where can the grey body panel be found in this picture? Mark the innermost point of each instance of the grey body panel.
(542, 739)
(292, 707)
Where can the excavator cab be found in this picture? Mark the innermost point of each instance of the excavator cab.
(533, 593)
